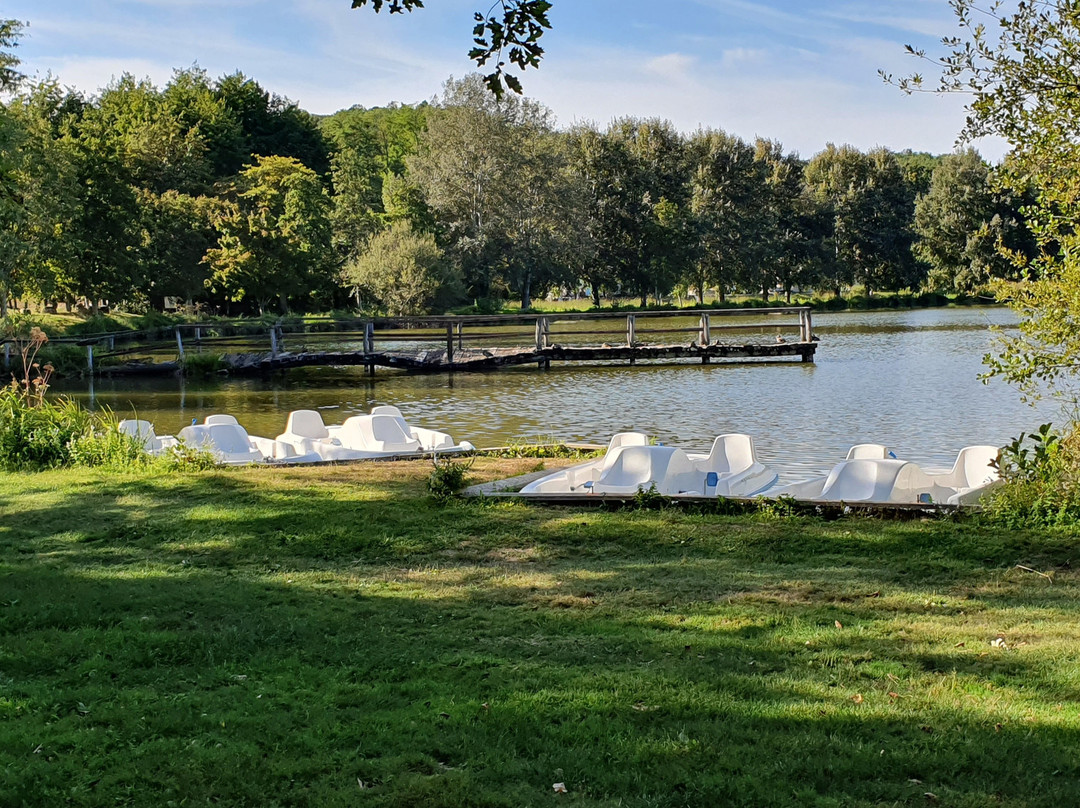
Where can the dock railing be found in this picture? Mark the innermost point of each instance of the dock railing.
(370, 336)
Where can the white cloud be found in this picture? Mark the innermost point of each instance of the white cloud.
(671, 66)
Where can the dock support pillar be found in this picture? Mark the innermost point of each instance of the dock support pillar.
(450, 346)
(179, 345)
(273, 342)
(90, 359)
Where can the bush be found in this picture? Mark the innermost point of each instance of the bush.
(448, 478)
(1041, 481)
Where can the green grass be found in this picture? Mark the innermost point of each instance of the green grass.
(329, 637)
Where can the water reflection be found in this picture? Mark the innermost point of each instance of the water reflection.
(907, 379)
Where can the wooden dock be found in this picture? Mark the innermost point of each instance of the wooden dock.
(450, 344)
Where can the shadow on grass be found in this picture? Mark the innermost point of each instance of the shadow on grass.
(325, 642)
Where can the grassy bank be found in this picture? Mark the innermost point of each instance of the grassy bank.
(328, 637)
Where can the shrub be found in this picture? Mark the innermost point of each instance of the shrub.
(448, 478)
(1041, 481)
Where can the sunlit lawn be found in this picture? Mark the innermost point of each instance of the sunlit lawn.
(328, 637)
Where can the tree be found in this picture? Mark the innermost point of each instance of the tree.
(872, 205)
(42, 204)
(727, 186)
(516, 32)
(963, 224)
(404, 271)
(10, 33)
(269, 125)
(273, 234)
(494, 178)
(1021, 75)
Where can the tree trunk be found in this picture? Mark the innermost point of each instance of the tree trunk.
(526, 289)
(596, 295)
(787, 293)
(283, 303)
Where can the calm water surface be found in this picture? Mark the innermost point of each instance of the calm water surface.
(906, 379)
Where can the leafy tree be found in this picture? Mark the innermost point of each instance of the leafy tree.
(492, 177)
(273, 234)
(369, 152)
(42, 202)
(1020, 73)
(871, 204)
(404, 271)
(177, 232)
(727, 185)
(963, 224)
(791, 245)
(10, 33)
(269, 125)
(516, 32)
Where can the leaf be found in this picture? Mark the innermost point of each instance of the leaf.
(560, 788)
(857, 698)
(838, 624)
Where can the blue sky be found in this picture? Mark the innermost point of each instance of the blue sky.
(803, 73)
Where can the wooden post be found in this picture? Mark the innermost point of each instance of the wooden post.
(273, 342)
(369, 346)
(450, 345)
(460, 338)
(631, 336)
(7, 354)
(90, 359)
(179, 345)
(198, 334)
(706, 332)
(808, 334)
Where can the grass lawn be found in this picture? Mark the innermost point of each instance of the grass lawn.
(329, 637)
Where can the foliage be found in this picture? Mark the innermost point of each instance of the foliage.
(516, 31)
(403, 271)
(1041, 481)
(1020, 71)
(448, 477)
(965, 228)
(273, 233)
(10, 33)
(202, 364)
(548, 449)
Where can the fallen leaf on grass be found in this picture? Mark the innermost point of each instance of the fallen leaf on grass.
(999, 642)
(560, 788)
(857, 698)
(838, 624)
(930, 795)
(893, 694)
(959, 645)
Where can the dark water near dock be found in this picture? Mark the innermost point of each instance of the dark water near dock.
(906, 379)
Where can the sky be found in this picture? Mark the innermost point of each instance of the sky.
(804, 73)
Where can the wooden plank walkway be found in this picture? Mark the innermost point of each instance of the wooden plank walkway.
(472, 359)
(441, 344)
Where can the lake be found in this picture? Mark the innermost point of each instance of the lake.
(908, 379)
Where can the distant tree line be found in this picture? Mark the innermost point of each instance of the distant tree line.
(226, 196)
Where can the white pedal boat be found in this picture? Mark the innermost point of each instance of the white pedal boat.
(382, 433)
(144, 432)
(866, 476)
(231, 445)
(730, 469)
